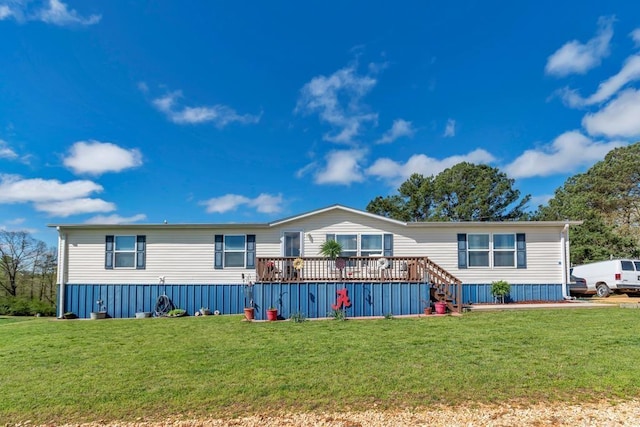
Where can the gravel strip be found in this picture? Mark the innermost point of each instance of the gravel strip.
(593, 414)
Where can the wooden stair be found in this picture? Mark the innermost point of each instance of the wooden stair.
(444, 285)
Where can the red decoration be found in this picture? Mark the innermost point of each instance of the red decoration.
(342, 300)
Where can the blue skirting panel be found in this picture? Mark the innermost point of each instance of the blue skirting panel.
(481, 293)
(311, 299)
(125, 300)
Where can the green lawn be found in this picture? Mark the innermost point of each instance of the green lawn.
(79, 370)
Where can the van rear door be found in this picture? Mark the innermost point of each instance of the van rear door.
(629, 273)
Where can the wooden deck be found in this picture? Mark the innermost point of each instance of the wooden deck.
(444, 286)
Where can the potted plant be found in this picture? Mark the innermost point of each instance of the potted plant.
(500, 289)
(331, 249)
(427, 307)
(141, 314)
(272, 313)
(249, 310)
(177, 312)
(101, 313)
(441, 307)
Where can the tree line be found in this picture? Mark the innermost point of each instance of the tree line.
(27, 275)
(606, 198)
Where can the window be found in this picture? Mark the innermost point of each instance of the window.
(364, 244)
(627, 265)
(478, 250)
(125, 252)
(235, 250)
(349, 244)
(497, 250)
(504, 250)
(371, 244)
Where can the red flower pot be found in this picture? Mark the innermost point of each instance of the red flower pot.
(441, 307)
(248, 313)
(272, 314)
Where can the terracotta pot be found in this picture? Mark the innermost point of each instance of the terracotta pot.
(427, 311)
(441, 307)
(272, 314)
(249, 313)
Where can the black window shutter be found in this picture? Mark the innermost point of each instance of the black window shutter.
(218, 248)
(141, 250)
(521, 250)
(388, 245)
(462, 250)
(108, 257)
(251, 251)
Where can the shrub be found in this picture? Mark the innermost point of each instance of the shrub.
(338, 314)
(12, 306)
(298, 317)
(500, 289)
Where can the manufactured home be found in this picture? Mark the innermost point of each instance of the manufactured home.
(386, 266)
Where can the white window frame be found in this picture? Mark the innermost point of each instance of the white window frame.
(372, 252)
(487, 250)
(133, 251)
(359, 250)
(513, 250)
(492, 251)
(225, 251)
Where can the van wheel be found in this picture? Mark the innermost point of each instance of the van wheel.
(602, 290)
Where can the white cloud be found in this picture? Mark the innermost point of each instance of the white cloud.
(575, 57)
(14, 189)
(450, 129)
(619, 118)
(75, 207)
(115, 219)
(306, 169)
(336, 99)
(143, 87)
(342, 167)
(53, 12)
(264, 203)
(5, 12)
(629, 72)
(396, 172)
(226, 203)
(219, 115)
(566, 154)
(96, 158)
(6, 152)
(399, 129)
(52, 196)
(540, 200)
(635, 36)
(58, 14)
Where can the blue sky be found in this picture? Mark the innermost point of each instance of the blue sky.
(138, 111)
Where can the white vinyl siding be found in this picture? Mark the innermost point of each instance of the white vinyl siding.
(185, 255)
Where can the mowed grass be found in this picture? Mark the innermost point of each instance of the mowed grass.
(125, 369)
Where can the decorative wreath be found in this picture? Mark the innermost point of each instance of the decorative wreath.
(298, 263)
(340, 263)
(383, 263)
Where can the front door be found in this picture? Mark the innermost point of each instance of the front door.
(292, 244)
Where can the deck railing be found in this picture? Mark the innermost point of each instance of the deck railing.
(444, 286)
(350, 269)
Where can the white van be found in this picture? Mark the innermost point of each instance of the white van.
(616, 275)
